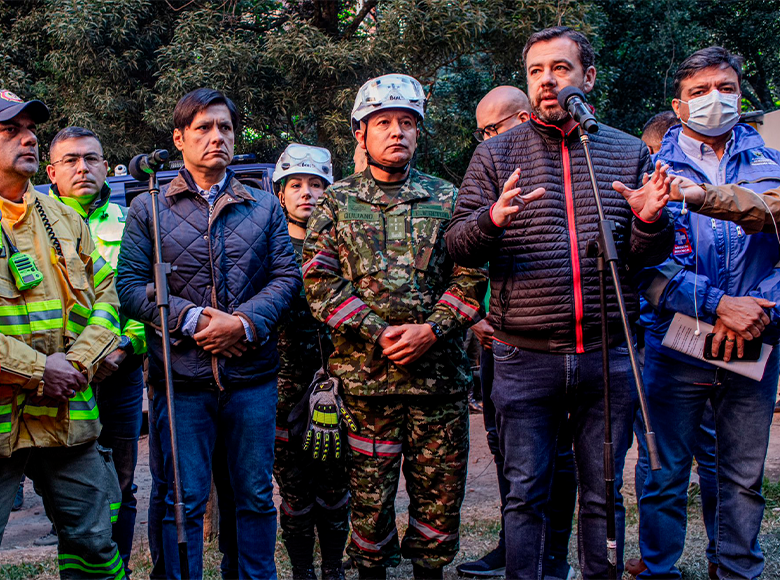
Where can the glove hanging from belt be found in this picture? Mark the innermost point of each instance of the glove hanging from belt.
(326, 411)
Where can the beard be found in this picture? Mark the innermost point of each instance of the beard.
(552, 116)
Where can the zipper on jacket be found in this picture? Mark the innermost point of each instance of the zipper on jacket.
(214, 361)
(573, 248)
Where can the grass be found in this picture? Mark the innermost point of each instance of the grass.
(478, 536)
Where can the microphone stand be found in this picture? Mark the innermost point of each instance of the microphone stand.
(161, 271)
(605, 251)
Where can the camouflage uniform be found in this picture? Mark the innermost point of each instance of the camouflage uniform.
(372, 260)
(313, 492)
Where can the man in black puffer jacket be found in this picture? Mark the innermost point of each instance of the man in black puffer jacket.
(234, 276)
(544, 302)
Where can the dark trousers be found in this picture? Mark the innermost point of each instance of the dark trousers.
(536, 394)
(560, 510)
(79, 487)
(120, 400)
(244, 418)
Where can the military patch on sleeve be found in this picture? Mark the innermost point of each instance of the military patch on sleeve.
(682, 244)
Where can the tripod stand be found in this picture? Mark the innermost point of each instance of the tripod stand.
(605, 251)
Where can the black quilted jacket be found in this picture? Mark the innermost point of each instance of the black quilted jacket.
(544, 287)
(242, 263)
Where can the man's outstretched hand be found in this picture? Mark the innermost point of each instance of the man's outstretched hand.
(648, 201)
(683, 189)
(511, 202)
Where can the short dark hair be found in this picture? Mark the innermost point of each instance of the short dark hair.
(706, 58)
(73, 133)
(587, 55)
(658, 125)
(194, 102)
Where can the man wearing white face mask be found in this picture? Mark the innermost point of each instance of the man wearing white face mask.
(722, 276)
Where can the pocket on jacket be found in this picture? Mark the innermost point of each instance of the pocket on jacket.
(362, 248)
(74, 266)
(426, 231)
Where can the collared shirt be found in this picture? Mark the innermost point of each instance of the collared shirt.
(705, 158)
(192, 316)
(211, 195)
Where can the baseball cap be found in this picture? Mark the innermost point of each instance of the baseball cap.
(11, 105)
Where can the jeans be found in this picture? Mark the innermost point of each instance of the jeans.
(564, 492)
(742, 409)
(245, 420)
(704, 453)
(159, 490)
(533, 393)
(120, 400)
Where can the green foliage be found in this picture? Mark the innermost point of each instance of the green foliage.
(643, 43)
(293, 66)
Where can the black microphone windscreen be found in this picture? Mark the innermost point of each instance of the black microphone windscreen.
(134, 168)
(567, 92)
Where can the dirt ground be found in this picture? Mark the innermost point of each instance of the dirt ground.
(480, 508)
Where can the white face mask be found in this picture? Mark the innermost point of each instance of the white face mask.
(713, 114)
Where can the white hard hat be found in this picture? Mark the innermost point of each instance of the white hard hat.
(306, 159)
(393, 91)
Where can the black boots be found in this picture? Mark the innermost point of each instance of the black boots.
(301, 550)
(421, 573)
(378, 573)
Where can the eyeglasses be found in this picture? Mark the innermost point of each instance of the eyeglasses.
(71, 161)
(479, 134)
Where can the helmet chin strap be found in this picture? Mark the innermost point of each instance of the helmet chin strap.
(299, 223)
(385, 168)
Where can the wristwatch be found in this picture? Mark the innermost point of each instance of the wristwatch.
(437, 331)
(126, 345)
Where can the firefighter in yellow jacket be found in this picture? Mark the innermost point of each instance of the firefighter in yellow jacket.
(58, 321)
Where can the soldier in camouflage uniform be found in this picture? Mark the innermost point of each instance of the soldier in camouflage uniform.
(314, 492)
(377, 272)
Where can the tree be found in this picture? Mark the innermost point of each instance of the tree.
(293, 67)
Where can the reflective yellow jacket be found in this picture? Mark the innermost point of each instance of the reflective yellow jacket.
(106, 223)
(73, 310)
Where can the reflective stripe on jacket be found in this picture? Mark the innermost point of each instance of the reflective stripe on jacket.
(67, 312)
(106, 223)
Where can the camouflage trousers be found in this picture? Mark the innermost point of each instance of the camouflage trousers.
(313, 492)
(431, 434)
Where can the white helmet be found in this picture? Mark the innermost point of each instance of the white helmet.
(306, 159)
(393, 91)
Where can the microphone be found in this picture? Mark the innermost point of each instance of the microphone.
(573, 100)
(141, 166)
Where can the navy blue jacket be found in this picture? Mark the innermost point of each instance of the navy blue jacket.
(236, 258)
